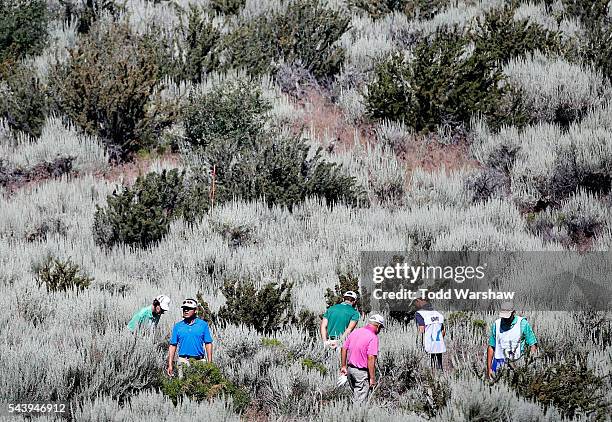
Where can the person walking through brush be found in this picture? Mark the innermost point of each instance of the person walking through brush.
(149, 315)
(339, 320)
(430, 324)
(507, 339)
(192, 337)
(358, 358)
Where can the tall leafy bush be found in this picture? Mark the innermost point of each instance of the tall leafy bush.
(23, 28)
(304, 31)
(23, 100)
(444, 82)
(105, 87)
(229, 129)
(140, 215)
(267, 309)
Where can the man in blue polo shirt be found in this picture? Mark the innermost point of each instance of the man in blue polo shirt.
(192, 337)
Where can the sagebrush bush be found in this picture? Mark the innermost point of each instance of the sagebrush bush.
(140, 215)
(204, 381)
(304, 31)
(23, 99)
(58, 275)
(267, 309)
(554, 90)
(582, 216)
(295, 79)
(105, 87)
(23, 28)
(486, 184)
(443, 83)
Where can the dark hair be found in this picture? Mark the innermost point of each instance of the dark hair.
(156, 302)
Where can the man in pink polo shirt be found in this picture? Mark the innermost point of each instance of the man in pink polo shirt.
(362, 349)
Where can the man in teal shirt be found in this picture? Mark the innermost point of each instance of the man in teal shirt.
(507, 338)
(339, 320)
(149, 315)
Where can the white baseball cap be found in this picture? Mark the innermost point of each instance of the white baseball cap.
(350, 294)
(164, 302)
(378, 319)
(190, 303)
(506, 309)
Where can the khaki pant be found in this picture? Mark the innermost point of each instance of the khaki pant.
(184, 362)
(359, 381)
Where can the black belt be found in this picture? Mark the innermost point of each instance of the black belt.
(191, 357)
(355, 367)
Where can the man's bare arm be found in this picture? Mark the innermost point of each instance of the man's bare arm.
(323, 329)
(209, 351)
(170, 368)
(490, 352)
(372, 368)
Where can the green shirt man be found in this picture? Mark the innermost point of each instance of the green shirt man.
(149, 315)
(339, 320)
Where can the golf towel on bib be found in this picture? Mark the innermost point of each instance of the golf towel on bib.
(432, 339)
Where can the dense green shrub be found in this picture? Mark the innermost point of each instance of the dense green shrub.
(57, 275)
(569, 385)
(378, 8)
(87, 12)
(140, 215)
(414, 9)
(348, 281)
(191, 49)
(598, 49)
(227, 128)
(307, 321)
(204, 311)
(267, 309)
(444, 82)
(227, 7)
(589, 12)
(23, 28)
(305, 31)
(23, 101)
(203, 381)
(232, 113)
(498, 33)
(105, 87)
